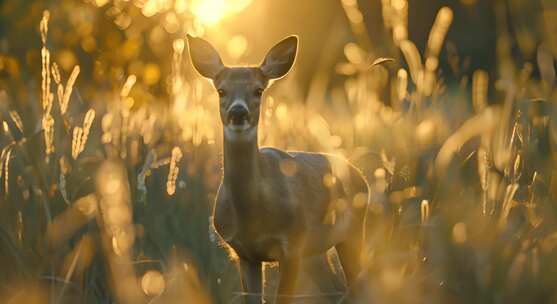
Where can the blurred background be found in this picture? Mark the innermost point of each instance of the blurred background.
(111, 144)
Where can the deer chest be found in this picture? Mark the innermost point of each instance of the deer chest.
(251, 238)
(263, 248)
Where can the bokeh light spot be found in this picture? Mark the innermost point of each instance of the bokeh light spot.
(153, 283)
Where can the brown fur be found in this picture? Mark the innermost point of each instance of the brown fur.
(273, 205)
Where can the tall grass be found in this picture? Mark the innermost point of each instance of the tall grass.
(110, 201)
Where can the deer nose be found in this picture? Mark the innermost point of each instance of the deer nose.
(238, 114)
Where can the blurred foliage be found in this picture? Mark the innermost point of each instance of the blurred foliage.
(111, 144)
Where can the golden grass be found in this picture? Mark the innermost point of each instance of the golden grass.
(112, 201)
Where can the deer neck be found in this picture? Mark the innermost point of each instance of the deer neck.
(241, 172)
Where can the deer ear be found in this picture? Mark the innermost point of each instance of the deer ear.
(280, 58)
(204, 57)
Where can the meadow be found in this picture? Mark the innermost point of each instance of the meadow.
(111, 145)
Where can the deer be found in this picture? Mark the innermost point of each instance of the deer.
(263, 212)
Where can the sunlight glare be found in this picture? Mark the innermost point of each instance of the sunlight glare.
(211, 12)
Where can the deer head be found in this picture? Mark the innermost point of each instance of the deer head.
(240, 88)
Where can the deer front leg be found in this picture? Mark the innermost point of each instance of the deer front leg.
(251, 281)
(288, 268)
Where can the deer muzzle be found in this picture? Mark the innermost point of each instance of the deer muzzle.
(238, 115)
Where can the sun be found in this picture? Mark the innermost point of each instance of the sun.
(212, 12)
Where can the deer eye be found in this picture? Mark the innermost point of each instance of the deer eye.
(258, 92)
(221, 92)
